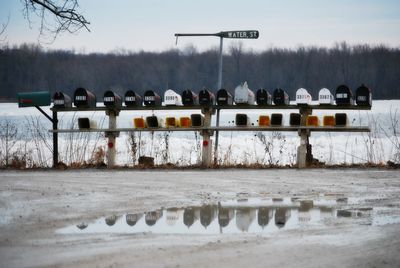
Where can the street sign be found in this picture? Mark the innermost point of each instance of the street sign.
(252, 34)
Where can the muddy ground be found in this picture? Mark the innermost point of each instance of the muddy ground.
(34, 205)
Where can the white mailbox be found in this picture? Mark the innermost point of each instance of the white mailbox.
(172, 98)
(325, 97)
(243, 95)
(302, 96)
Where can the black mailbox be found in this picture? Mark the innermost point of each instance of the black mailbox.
(276, 119)
(263, 97)
(112, 99)
(281, 97)
(132, 99)
(197, 120)
(189, 98)
(206, 98)
(224, 97)
(364, 96)
(242, 120)
(62, 100)
(344, 95)
(340, 119)
(151, 98)
(83, 123)
(152, 121)
(83, 98)
(295, 119)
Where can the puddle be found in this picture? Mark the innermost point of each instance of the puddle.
(239, 216)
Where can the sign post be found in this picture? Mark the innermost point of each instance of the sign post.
(242, 34)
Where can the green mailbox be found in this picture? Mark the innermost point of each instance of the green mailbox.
(32, 99)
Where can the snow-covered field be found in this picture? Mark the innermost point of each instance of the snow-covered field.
(234, 147)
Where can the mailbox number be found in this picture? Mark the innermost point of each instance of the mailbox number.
(324, 97)
(130, 98)
(171, 98)
(109, 99)
(80, 98)
(149, 98)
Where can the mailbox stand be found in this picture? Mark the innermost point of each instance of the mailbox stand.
(111, 135)
(206, 152)
(304, 155)
(55, 139)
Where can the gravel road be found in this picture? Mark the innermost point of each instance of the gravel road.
(34, 206)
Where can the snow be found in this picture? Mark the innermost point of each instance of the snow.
(234, 147)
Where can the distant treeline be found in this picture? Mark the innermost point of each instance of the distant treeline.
(29, 68)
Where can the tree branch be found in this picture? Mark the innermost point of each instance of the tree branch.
(64, 13)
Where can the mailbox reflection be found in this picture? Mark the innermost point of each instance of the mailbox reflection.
(132, 219)
(237, 217)
(152, 217)
(225, 215)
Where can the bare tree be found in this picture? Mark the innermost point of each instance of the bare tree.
(3, 28)
(56, 16)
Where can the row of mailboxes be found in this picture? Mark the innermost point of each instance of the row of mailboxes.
(276, 119)
(343, 96)
(83, 98)
(195, 120)
(241, 120)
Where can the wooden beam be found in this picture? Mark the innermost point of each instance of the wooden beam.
(228, 128)
(230, 107)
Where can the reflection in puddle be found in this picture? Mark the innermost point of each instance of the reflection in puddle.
(241, 216)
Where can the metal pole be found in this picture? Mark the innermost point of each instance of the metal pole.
(220, 63)
(219, 86)
(55, 139)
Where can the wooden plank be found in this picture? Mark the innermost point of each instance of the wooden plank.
(231, 107)
(252, 128)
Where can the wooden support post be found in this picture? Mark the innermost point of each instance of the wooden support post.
(111, 144)
(55, 139)
(216, 140)
(206, 152)
(304, 154)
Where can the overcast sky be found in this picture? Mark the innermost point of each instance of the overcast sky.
(150, 24)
